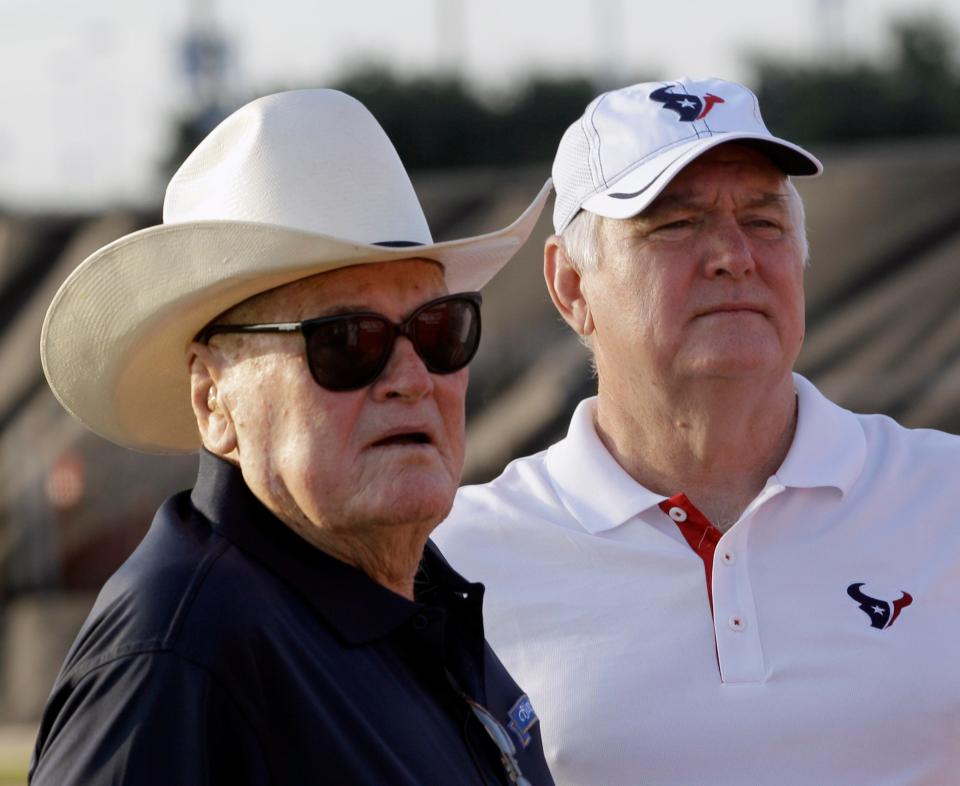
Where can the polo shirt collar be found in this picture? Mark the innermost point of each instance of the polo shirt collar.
(593, 487)
(828, 450)
(356, 606)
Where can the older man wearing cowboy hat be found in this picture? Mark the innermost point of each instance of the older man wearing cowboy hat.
(287, 621)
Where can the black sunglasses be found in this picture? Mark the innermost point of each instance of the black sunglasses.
(349, 351)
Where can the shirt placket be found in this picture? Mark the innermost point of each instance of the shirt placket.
(729, 589)
(429, 628)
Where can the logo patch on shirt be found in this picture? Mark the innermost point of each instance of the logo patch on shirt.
(522, 718)
(882, 613)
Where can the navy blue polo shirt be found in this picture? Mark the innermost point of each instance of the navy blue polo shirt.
(227, 650)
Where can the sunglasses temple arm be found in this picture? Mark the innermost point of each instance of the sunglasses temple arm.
(278, 327)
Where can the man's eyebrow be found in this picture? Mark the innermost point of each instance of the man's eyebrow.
(769, 198)
(349, 308)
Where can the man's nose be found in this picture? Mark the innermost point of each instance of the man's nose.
(405, 375)
(729, 252)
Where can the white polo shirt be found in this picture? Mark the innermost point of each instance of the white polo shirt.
(831, 653)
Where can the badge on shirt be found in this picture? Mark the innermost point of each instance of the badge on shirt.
(522, 718)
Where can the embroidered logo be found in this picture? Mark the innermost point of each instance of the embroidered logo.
(881, 613)
(522, 718)
(688, 107)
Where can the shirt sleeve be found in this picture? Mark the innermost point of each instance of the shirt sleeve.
(150, 719)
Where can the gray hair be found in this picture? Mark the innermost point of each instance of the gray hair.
(580, 240)
(798, 200)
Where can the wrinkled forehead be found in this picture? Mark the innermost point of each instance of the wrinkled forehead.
(354, 286)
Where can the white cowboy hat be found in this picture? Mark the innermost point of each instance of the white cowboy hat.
(288, 186)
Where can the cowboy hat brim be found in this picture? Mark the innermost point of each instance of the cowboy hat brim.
(114, 340)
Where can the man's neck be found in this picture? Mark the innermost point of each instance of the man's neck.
(717, 441)
(389, 556)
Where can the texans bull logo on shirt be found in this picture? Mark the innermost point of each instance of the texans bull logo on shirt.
(882, 614)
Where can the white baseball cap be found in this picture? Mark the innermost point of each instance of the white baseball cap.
(630, 143)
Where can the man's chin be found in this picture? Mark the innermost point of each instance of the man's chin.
(734, 363)
(419, 501)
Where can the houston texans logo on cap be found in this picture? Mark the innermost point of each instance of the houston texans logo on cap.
(881, 613)
(689, 107)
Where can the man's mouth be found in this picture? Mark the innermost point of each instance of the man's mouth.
(732, 308)
(406, 438)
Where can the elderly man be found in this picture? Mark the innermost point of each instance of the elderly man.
(287, 621)
(718, 576)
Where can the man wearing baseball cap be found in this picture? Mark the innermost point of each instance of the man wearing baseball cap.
(287, 621)
(718, 576)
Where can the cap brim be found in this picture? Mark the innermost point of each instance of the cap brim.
(113, 344)
(631, 193)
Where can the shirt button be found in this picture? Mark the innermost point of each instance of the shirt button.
(737, 623)
(677, 514)
(420, 622)
(728, 558)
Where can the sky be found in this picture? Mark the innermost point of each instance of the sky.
(89, 89)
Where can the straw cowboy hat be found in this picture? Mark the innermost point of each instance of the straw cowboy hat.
(290, 185)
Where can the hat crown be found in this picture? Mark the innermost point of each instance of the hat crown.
(262, 164)
(640, 121)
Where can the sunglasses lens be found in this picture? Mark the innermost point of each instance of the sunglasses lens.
(349, 352)
(447, 334)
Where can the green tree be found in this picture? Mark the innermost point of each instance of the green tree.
(440, 121)
(916, 93)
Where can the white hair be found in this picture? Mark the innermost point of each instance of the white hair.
(798, 201)
(580, 240)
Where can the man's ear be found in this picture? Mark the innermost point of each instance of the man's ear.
(565, 284)
(214, 421)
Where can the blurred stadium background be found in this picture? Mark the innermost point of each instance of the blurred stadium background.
(883, 326)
